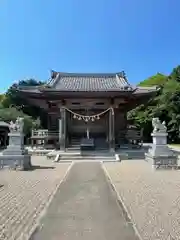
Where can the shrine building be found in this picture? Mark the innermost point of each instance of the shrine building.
(92, 106)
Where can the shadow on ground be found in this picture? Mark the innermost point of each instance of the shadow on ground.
(35, 167)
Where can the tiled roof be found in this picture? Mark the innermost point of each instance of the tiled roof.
(72, 82)
(3, 124)
(89, 82)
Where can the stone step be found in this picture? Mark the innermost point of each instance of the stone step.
(77, 156)
(74, 147)
(125, 155)
(84, 158)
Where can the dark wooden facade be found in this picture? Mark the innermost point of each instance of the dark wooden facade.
(87, 94)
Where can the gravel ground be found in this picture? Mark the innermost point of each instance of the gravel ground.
(85, 208)
(152, 198)
(25, 194)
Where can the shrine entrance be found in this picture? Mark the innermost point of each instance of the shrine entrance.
(87, 125)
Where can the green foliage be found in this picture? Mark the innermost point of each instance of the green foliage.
(1, 97)
(12, 98)
(36, 123)
(166, 105)
(13, 106)
(175, 74)
(11, 114)
(156, 80)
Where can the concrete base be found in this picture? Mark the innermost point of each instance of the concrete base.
(160, 150)
(131, 154)
(60, 156)
(13, 150)
(22, 162)
(163, 161)
(39, 152)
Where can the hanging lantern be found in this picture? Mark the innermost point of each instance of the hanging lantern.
(74, 116)
(97, 117)
(86, 119)
(79, 118)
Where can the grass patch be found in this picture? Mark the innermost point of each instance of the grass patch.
(174, 145)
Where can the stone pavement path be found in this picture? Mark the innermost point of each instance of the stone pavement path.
(24, 196)
(85, 207)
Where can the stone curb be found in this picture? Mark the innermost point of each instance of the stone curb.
(93, 160)
(121, 203)
(37, 227)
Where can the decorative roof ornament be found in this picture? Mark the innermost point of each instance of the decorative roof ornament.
(122, 74)
(53, 74)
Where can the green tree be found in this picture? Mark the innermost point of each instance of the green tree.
(1, 97)
(11, 114)
(175, 74)
(13, 98)
(166, 105)
(13, 106)
(156, 80)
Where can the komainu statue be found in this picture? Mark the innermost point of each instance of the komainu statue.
(158, 126)
(17, 126)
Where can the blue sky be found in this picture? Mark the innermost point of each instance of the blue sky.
(140, 37)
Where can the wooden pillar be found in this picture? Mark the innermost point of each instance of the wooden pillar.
(111, 130)
(67, 130)
(5, 139)
(32, 142)
(49, 121)
(62, 129)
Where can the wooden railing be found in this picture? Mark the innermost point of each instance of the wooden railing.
(134, 134)
(131, 136)
(40, 132)
(44, 133)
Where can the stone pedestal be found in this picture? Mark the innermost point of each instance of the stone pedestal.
(15, 156)
(160, 155)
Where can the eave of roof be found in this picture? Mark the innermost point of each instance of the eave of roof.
(30, 91)
(145, 90)
(139, 91)
(4, 124)
(87, 83)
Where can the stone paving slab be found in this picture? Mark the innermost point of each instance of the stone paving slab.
(85, 207)
(151, 197)
(24, 196)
